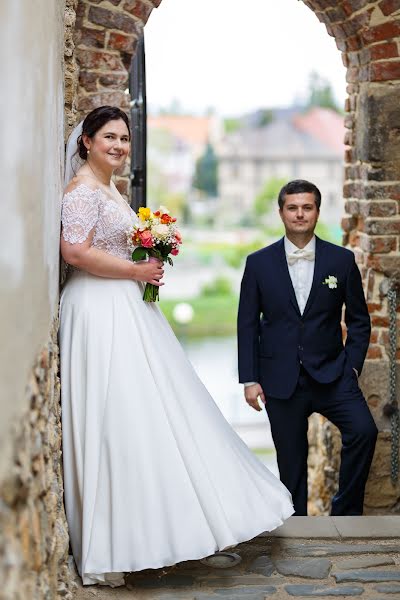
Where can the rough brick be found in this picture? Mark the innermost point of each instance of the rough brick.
(99, 59)
(378, 209)
(384, 50)
(352, 207)
(385, 71)
(382, 226)
(119, 41)
(374, 352)
(349, 223)
(354, 43)
(336, 15)
(385, 31)
(379, 245)
(88, 80)
(93, 38)
(113, 20)
(389, 6)
(114, 98)
(137, 9)
(114, 80)
(383, 263)
(351, 6)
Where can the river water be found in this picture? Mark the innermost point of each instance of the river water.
(215, 361)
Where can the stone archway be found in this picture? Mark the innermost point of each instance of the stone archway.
(368, 36)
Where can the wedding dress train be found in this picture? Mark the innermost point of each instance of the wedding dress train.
(153, 473)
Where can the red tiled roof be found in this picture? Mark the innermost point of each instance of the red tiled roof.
(194, 130)
(323, 124)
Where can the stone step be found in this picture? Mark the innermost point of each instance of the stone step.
(323, 591)
(370, 527)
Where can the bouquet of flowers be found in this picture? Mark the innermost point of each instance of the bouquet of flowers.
(154, 235)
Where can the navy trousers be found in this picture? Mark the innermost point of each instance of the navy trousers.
(343, 403)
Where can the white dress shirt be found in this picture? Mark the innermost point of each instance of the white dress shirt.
(301, 273)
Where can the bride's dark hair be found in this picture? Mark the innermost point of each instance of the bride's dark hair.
(95, 121)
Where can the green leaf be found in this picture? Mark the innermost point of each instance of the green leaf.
(139, 254)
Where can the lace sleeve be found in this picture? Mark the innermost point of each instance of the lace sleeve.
(79, 213)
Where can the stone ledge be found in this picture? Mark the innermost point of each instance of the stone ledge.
(381, 527)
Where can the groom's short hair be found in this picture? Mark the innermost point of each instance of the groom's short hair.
(299, 186)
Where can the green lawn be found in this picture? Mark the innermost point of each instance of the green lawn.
(213, 315)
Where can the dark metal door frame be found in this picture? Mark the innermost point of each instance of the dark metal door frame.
(137, 89)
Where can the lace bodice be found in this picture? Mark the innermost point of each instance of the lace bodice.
(84, 209)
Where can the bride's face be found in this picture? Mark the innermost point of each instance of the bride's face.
(110, 146)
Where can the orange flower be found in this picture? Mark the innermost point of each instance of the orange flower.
(165, 219)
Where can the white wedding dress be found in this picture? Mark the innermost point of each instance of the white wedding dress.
(153, 473)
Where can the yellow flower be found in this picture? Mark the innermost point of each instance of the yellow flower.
(144, 213)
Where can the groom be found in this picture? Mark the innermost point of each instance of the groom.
(291, 353)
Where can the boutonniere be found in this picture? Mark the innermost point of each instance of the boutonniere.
(331, 282)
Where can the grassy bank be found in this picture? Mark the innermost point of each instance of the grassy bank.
(213, 315)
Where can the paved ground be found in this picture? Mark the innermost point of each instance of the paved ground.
(315, 557)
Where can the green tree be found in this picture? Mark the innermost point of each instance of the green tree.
(320, 93)
(268, 195)
(266, 117)
(231, 125)
(205, 176)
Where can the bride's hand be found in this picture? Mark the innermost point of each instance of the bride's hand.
(148, 271)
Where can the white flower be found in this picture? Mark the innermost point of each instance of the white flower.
(331, 282)
(161, 231)
(164, 210)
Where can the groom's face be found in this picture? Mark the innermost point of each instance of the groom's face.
(299, 213)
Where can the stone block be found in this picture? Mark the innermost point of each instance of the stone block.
(378, 122)
(384, 71)
(317, 568)
(244, 592)
(263, 565)
(319, 591)
(384, 50)
(138, 9)
(389, 6)
(364, 576)
(247, 579)
(113, 19)
(99, 60)
(363, 562)
(384, 31)
(338, 548)
(388, 588)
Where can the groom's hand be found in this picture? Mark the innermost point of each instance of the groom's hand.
(252, 393)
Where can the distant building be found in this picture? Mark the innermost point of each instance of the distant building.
(175, 143)
(293, 146)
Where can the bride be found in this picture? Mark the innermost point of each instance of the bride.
(153, 473)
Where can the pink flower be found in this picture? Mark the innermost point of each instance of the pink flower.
(178, 237)
(146, 239)
(175, 251)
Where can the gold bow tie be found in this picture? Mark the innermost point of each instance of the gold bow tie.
(305, 254)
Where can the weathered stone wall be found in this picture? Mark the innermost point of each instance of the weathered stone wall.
(71, 70)
(34, 536)
(33, 531)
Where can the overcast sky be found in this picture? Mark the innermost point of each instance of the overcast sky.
(236, 55)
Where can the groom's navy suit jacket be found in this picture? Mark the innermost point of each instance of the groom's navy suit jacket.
(274, 339)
